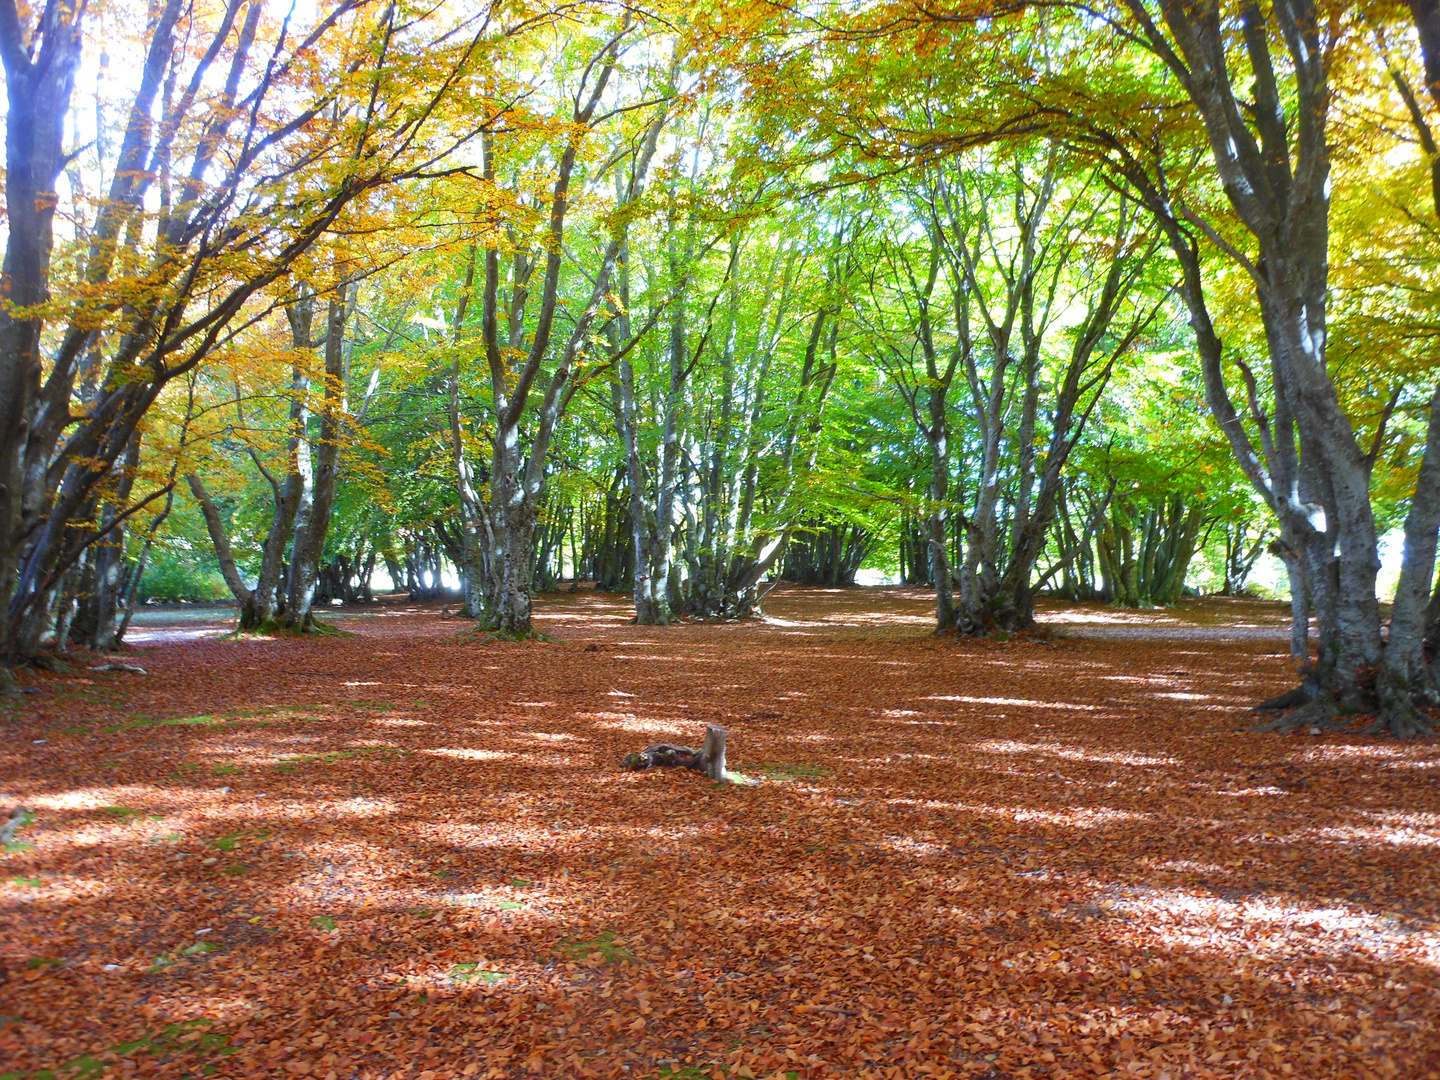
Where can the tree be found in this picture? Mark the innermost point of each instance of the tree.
(254, 154)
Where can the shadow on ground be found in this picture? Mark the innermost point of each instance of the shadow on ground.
(403, 853)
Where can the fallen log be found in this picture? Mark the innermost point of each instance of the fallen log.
(709, 759)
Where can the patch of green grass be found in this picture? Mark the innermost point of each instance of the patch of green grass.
(333, 757)
(373, 706)
(519, 883)
(463, 973)
(26, 882)
(272, 628)
(168, 838)
(511, 905)
(170, 959)
(235, 871)
(323, 922)
(230, 841)
(794, 772)
(604, 946)
(204, 720)
(481, 636)
(122, 814)
(162, 1046)
(26, 818)
(225, 770)
(76, 695)
(35, 963)
(702, 1072)
(74, 731)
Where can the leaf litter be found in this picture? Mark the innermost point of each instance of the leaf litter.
(1052, 857)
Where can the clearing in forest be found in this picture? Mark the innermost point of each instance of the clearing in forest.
(403, 852)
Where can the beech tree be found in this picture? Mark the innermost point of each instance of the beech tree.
(237, 155)
(988, 303)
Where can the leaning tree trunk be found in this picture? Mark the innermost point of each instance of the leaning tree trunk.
(259, 610)
(1405, 676)
(96, 622)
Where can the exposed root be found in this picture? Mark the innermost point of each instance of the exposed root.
(1291, 699)
(276, 628)
(52, 664)
(482, 636)
(709, 759)
(1409, 724)
(315, 627)
(1320, 713)
(1401, 719)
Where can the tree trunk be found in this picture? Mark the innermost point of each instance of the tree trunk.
(39, 77)
(215, 525)
(310, 538)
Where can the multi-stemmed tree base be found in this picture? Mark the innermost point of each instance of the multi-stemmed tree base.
(1310, 708)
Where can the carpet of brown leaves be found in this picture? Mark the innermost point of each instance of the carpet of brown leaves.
(408, 853)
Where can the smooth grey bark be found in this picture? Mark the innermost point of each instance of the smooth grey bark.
(40, 62)
(97, 620)
(290, 494)
(58, 483)
(652, 603)
(750, 563)
(926, 395)
(477, 588)
(517, 474)
(1405, 675)
(128, 343)
(1004, 271)
(1145, 548)
(677, 374)
(220, 539)
(1272, 158)
(310, 537)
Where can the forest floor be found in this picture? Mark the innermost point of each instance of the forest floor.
(407, 853)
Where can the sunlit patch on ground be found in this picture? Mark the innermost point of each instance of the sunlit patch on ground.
(1043, 858)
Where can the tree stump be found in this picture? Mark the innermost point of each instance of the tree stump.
(709, 759)
(713, 752)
